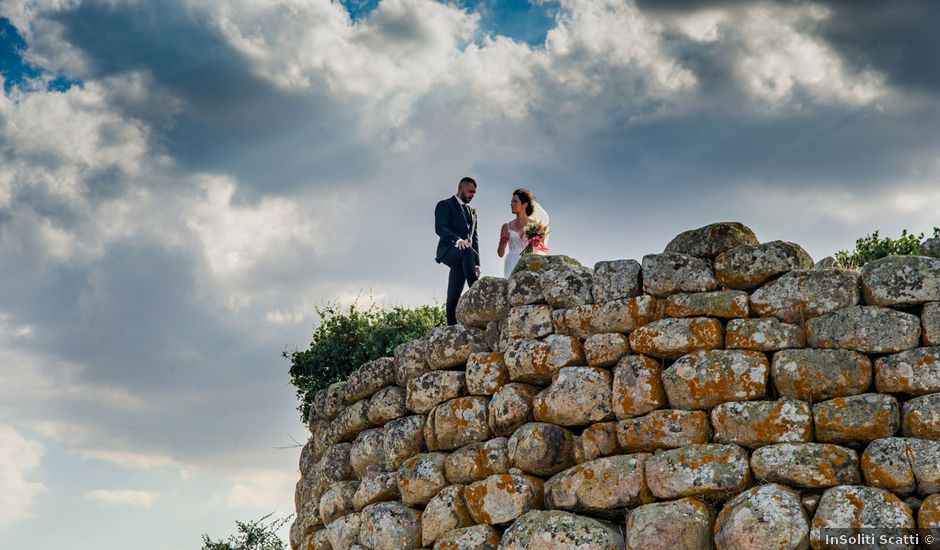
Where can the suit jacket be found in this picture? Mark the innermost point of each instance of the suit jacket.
(450, 224)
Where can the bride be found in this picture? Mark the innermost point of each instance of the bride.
(525, 208)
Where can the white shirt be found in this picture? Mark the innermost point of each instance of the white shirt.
(463, 206)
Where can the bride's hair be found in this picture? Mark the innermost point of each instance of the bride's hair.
(527, 198)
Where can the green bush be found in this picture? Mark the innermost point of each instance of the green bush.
(872, 247)
(347, 338)
(254, 535)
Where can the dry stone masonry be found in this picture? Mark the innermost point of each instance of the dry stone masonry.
(723, 394)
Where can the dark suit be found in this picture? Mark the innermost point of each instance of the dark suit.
(453, 222)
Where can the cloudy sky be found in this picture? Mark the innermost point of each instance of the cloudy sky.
(182, 183)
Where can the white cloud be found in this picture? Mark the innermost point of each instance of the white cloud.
(59, 150)
(21, 457)
(781, 56)
(127, 459)
(235, 237)
(138, 499)
(268, 490)
(910, 205)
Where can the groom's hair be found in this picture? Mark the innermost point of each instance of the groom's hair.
(527, 198)
(465, 181)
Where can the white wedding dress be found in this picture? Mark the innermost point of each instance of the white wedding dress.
(513, 251)
(517, 242)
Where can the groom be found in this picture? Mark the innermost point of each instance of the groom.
(456, 225)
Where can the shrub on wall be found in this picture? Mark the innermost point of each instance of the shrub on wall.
(347, 338)
(253, 535)
(872, 247)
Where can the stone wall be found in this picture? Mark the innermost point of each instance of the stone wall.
(723, 394)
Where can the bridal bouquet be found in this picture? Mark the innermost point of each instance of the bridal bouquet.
(536, 233)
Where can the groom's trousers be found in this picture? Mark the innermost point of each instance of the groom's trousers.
(462, 264)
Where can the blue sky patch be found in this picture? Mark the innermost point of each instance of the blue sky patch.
(521, 20)
(15, 70)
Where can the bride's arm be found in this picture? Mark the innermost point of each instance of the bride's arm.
(503, 239)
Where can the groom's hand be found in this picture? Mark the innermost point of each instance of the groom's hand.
(463, 244)
(476, 270)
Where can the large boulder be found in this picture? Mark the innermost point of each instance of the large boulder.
(526, 281)
(451, 346)
(698, 470)
(367, 452)
(806, 465)
(485, 301)
(411, 360)
(477, 461)
(433, 388)
(541, 449)
(758, 423)
(446, 511)
(851, 509)
(930, 247)
(671, 273)
(319, 541)
(568, 286)
(862, 417)
(616, 279)
(768, 516)
(868, 329)
(595, 441)
(922, 417)
(600, 486)
(376, 487)
(576, 397)
(456, 423)
(604, 350)
(683, 523)
(621, 315)
(534, 321)
(421, 477)
(370, 378)
(749, 266)
(713, 239)
(350, 421)
(763, 334)
(901, 280)
(334, 400)
(386, 405)
(343, 533)
(499, 499)
(486, 373)
(930, 321)
(637, 386)
(335, 465)
(903, 465)
(673, 338)
(556, 530)
(404, 438)
(337, 501)
(928, 517)
(511, 407)
(705, 379)
(916, 372)
(390, 526)
(316, 408)
(725, 304)
(536, 361)
(800, 295)
(663, 429)
(478, 537)
(815, 375)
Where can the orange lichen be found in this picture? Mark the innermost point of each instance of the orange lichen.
(876, 476)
